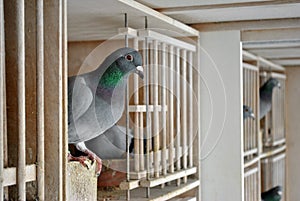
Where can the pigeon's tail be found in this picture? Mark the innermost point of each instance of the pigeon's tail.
(131, 145)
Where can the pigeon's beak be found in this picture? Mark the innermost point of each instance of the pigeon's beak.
(279, 85)
(140, 71)
(252, 116)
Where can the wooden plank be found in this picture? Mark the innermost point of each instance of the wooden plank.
(250, 152)
(271, 35)
(130, 32)
(278, 75)
(55, 111)
(272, 152)
(150, 12)
(239, 5)
(251, 172)
(249, 25)
(166, 39)
(168, 177)
(182, 189)
(20, 30)
(251, 162)
(129, 185)
(40, 101)
(2, 97)
(11, 175)
(250, 67)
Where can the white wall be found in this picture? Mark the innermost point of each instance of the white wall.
(293, 132)
(221, 116)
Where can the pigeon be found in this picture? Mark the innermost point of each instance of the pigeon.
(96, 99)
(265, 96)
(248, 112)
(274, 194)
(111, 144)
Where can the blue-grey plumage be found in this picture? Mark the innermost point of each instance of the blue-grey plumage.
(248, 112)
(111, 144)
(96, 99)
(273, 194)
(265, 96)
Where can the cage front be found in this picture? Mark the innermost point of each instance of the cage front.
(273, 124)
(162, 114)
(273, 172)
(252, 182)
(250, 104)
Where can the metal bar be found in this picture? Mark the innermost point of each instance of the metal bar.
(163, 104)
(40, 101)
(2, 97)
(148, 132)
(127, 121)
(20, 30)
(177, 93)
(171, 108)
(155, 113)
(184, 110)
(190, 107)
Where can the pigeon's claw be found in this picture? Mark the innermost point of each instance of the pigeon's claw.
(84, 161)
(94, 157)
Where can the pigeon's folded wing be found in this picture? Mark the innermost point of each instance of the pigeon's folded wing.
(82, 98)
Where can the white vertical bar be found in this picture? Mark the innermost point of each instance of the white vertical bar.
(20, 21)
(190, 108)
(163, 106)
(136, 116)
(2, 66)
(155, 111)
(127, 121)
(148, 126)
(40, 100)
(178, 127)
(171, 108)
(184, 110)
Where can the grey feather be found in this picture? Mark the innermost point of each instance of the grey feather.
(111, 144)
(265, 96)
(91, 110)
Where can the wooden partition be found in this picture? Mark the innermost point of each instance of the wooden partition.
(33, 93)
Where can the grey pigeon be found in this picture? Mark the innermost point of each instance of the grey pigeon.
(96, 99)
(265, 96)
(248, 112)
(111, 144)
(274, 194)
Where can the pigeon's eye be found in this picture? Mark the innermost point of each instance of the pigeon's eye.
(129, 57)
(247, 110)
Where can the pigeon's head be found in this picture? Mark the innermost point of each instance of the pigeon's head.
(130, 61)
(248, 112)
(278, 190)
(273, 82)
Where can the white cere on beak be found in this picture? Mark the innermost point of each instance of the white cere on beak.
(140, 71)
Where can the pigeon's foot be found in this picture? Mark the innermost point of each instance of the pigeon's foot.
(84, 161)
(91, 155)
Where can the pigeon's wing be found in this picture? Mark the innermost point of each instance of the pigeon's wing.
(104, 148)
(80, 98)
(117, 136)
